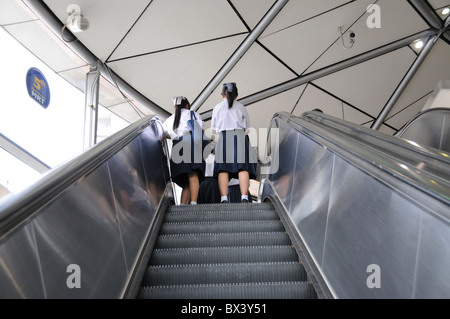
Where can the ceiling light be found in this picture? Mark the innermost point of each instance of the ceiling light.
(419, 44)
(446, 11)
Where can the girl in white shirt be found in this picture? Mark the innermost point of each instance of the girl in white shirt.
(187, 168)
(234, 159)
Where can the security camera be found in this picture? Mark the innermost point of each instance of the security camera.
(347, 39)
(75, 21)
(77, 24)
(352, 35)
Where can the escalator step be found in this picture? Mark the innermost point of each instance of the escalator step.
(224, 273)
(222, 240)
(273, 290)
(222, 227)
(221, 207)
(234, 215)
(212, 255)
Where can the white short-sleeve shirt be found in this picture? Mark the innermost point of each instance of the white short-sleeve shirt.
(224, 118)
(183, 127)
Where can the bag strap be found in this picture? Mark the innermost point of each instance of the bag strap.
(193, 117)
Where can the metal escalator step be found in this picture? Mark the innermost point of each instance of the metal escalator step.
(222, 240)
(224, 273)
(222, 227)
(233, 215)
(273, 290)
(221, 207)
(212, 255)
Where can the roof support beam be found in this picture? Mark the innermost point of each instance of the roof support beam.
(404, 83)
(446, 34)
(256, 97)
(21, 154)
(426, 11)
(237, 55)
(55, 25)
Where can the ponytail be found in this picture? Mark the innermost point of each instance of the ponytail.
(230, 91)
(180, 102)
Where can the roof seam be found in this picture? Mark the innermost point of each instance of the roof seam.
(177, 47)
(239, 15)
(129, 30)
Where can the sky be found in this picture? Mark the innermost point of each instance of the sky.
(53, 134)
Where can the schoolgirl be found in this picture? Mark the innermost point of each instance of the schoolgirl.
(234, 158)
(187, 169)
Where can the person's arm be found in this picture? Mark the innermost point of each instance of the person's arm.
(166, 130)
(213, 122)
(247, 119)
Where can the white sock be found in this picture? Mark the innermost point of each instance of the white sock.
(224, 198)
(244, 197)
(193, 203)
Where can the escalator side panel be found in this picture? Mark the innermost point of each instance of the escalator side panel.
(82, 217)
(19, 270)
(371, 232)
(99, 224)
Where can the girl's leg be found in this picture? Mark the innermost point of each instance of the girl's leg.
(244, 183)
(223, 185)
(185, 195)
(194, 185)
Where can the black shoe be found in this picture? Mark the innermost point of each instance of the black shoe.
(224, 202)
(244, 201)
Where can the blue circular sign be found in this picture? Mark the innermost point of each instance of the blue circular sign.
(38, 88)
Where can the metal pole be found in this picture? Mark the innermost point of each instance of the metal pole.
(404, 83)
(91, 106)
(446, 33)
(328, 70)
(237, 55)
(23, 155)
(427, 12)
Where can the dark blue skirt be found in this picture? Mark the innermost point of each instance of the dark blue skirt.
(234, 154)
(186, 158)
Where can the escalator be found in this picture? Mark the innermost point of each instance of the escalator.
(224, 251)
(342, 212)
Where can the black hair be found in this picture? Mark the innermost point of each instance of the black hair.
(182, 105)
(231, 96)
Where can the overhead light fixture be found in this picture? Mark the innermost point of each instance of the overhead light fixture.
(419, 44)
(445, 11)
(75, 21)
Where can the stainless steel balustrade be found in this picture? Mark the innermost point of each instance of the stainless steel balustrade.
(371, 210)
(430, 128)
(95, 212)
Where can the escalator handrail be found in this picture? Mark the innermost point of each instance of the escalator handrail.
(378, 138)
(18, 207)
(339, 135)
(419, 116)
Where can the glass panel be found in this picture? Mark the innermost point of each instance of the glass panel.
(14, 174)
(53, 134)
